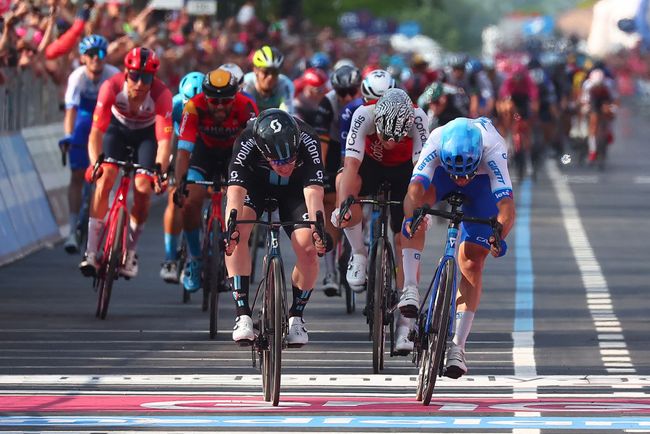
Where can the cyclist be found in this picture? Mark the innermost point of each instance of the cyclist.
(481, 92)
(310, 87)
(269, 88)
(346, 81)
(467, 156)
(133, 109)
(189, 86)
(212, 120)
(437, 97)
(80, 101)
(382, 145)
(279, 157)
(599, 100)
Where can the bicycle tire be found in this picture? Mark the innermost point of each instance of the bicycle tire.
(378, 289)
(182, 258)
(437, 338)
(216, 271)
(278, 329)
(206, 251)
(344, 257)
(109, 273)
(390, 298)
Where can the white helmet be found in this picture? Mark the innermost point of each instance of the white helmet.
(376, 83)
(343, 62)
(235, 71)
(597, 76)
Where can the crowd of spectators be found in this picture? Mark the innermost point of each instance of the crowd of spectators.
(43, 35)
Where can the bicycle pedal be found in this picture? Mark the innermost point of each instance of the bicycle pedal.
(331, 292)
(409, 311)
(244, 343)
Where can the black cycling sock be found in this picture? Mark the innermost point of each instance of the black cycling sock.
(300, 299)
(240, 285)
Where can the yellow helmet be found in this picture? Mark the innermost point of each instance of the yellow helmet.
(268, 57)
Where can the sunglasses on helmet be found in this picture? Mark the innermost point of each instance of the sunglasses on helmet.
(351, 91)
(96, 52)
(144, 77)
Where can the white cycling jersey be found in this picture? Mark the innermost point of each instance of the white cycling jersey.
(494, 160)
(363, 138)
(81, 92)
(590, 91)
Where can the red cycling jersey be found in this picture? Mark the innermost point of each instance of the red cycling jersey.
(197, 121)
(525, 87)
(156, 108)
(400, 154)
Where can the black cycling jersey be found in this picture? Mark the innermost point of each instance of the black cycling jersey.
(248, 167)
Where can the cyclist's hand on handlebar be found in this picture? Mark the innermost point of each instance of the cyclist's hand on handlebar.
(322, 245)
(340, 221)
(91, 175)
(160, 183)
(64, 143)
(232, 242)
(498, 246)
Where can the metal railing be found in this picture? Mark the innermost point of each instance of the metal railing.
(27, 100)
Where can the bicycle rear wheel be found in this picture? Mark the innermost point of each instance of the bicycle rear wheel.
(377, 286)
(431, 368)
(344, 257)
(206, 252)
(108, 273)
(216, 270)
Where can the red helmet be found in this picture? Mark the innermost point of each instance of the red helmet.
(142, 59)
(314, 77)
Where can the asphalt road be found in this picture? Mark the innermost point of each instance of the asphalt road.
(560, 342)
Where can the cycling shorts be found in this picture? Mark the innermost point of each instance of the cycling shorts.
(373, 174)
(291, 202)
(143, 140)
(78, 151)
(521, 103)
(479, 202)
(208, 163)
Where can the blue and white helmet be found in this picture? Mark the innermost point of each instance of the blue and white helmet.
(461, 148)
(190, 85)
(93, 41)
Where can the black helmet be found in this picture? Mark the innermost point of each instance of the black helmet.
(220, 83)
(276, 135)
(346, 77)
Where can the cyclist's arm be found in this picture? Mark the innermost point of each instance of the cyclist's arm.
(506, 215)
(239, 173)
(314, 195)
(187, 139)
(362, 122)
(69, 120)
(419, 133)
(423, 173)
(164, 128)
(235, 196)
(101, 120)
(322, 122)
(72, 99)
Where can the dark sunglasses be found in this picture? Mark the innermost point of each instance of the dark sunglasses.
(144, 77)
(352, 91)
(220, 101)
(269, 71)
(284, 161)
(96, 52)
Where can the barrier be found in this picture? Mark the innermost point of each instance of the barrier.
(25, 216)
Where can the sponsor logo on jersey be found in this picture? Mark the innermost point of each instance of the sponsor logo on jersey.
(497, 172)
(426, 160)
(503, 193)
(354, 130)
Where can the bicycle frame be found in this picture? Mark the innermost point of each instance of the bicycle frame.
(119, 201)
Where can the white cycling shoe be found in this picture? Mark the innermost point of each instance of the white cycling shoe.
(130, 268)
(89, 265)
(243, 333)
(356, 274)
(403, 345)
(409, 301)
(297, 336)
(169, 272)
(456, 366)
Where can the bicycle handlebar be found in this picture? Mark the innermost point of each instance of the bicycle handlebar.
(457, 217)
(347, 203)
(319, 224)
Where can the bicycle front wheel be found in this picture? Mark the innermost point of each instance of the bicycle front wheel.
(110, 264)
(274, 321)
(216, 270)
(378, 287)
(344, 257)
(431, 367)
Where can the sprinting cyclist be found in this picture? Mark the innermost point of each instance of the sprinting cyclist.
(212, 120)
(189, 86)
(133, 109)
(80, 100)
(467, 156)
(276, 156)
(346, 81)
(265, 84)
(599, 100)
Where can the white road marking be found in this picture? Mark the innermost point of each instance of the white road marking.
(592, 276)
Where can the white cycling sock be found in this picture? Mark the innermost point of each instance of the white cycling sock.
(95, 228)
(134, 234)
(355, 237)
(591, 140)
(411, 264)
(463, 327)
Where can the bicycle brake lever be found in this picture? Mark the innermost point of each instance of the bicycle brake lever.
(418, 215)
(320, 225)
(344, 208)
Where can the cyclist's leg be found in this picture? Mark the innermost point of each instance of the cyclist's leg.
(332, 163)
(172, 224)
(192, 222)
(594, 119)
(78, 160)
